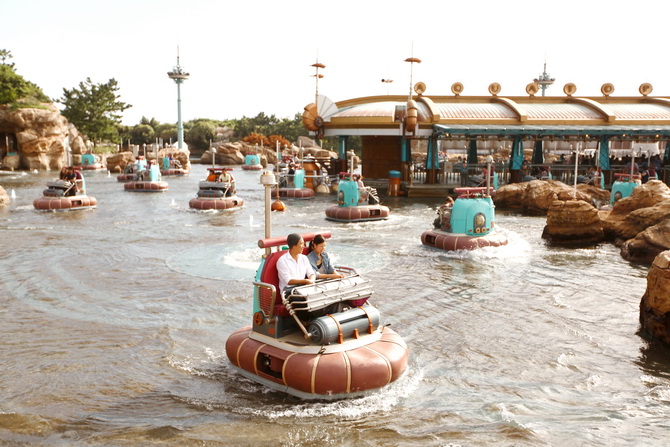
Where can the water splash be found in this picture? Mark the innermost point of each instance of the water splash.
(13, 195)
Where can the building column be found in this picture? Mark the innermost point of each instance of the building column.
(342, 147)
(405, 158)
(516, 161)
(604, 158)
(431, 161)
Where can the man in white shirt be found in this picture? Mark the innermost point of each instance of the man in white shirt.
(294, 268)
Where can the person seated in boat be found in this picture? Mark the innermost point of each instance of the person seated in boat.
(363, 191)
(227, 178)
(319, 260)
(63, 173)
(633, 166)
(443, 219)
(545, 174)
(293, 267)
(212, 177)
(291, 173)
(71, 177)
(652, 172)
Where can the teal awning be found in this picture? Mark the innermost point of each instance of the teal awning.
(472, 130)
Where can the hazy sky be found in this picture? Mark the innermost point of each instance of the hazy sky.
(245, 57)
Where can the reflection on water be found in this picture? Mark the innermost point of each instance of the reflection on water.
(115, 319)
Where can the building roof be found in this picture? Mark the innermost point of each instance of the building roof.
(623, 117)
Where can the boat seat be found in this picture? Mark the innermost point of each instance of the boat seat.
(269, 275)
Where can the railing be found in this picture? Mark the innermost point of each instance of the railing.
(561, 172)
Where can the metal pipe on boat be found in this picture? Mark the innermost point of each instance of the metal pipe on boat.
(268, 180)
(489, 160)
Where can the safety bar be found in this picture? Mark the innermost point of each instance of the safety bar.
(320, 295)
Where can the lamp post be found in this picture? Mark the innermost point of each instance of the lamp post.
(178, 75)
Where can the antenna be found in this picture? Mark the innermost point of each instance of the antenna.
(411, 61)
(317, 65)
(544, 80)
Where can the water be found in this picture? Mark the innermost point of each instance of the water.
(114, 322)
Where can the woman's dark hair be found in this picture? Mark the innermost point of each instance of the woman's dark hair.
(318, 239)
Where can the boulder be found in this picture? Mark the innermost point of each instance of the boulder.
(11, 162)
(655, 303)
(648, 205)
(4, 198)
(181, 155)
(226, 154)
(599, 197)
(537, 196)
(42, 134)
(118, 162)
(648, 244)
(573, 223)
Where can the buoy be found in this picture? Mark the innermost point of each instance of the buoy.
(278, 205)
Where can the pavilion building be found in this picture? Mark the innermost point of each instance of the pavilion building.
(419, 136)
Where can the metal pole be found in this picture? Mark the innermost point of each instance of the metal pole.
(488, 175)
(180, 126)
(576, 164)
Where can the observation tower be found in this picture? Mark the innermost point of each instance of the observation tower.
(178, 75)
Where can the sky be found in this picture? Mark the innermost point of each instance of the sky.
(252, 56)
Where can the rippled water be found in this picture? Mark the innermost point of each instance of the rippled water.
(114, 322)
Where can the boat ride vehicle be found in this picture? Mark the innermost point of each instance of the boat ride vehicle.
(147, 180)
(292, 186)
(68, 193)
(317, 341)
(217, 192)
(133, 170)
(623, 186)
(466, 223)
(89, 163)
(356, 202)
(172, 167)
(321, 341)
(252, 162)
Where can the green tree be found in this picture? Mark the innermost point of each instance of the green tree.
(142, 134)
(167, 132)
(200, 134)
(94, 109)
(153, 122)
(13, 87)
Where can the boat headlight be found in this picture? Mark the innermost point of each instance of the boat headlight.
(480, 220)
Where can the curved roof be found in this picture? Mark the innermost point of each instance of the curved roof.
(384, 114)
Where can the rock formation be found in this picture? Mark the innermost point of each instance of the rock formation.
(537, 196)
(226, 154)
(573, 223)
(4, 198)
(118, 162)
(644, 247)
(42, 135)
(655, 303)
(648, 205)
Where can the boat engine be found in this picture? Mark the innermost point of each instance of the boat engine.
(330, 328)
